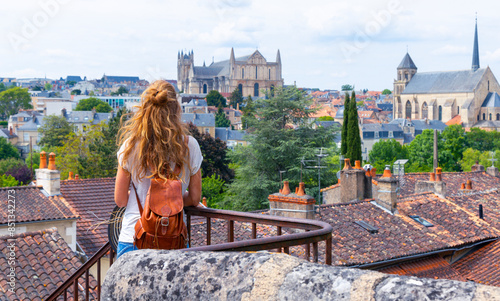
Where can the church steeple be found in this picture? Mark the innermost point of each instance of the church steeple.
(475, 53)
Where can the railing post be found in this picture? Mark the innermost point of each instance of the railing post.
(230, 237)
(87, 285)
(188, 219)
(99, 279)
(328, 252)
(315, 252)
(75, 289)
(209, 231)
(279, 250)
(254, 230)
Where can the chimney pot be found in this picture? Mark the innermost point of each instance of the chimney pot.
(463, 186)
(296, 190)
(357, 164)
(469, 185)
(43, 160)
(204, 202)
(387, 172)
(301, 190)
(52, 161)
(70, 176)
(368, 173)
(438, 174)
(347, 164)
(77, 177)
(286, 188)
(432, 177)
(11, 131)
(373, 172)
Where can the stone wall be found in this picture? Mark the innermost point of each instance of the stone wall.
(179, 275)
(331, 195)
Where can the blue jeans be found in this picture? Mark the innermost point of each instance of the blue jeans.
(124, 247)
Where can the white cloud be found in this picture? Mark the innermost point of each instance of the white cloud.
(451, 50)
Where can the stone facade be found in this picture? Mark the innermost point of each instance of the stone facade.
(250, 74)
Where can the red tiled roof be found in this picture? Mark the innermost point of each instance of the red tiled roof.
(43, 262)
(480, 181)
(482, 266)
(93, 200)
(32, 205)
(455, 120)
(429, 267)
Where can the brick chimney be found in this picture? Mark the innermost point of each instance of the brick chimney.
(49, 178)
(435, 184)
(11, 131)
(354, 183)
(287, 204)
(387, 185)
(477, 167)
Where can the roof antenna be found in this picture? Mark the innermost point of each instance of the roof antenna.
(281, 177)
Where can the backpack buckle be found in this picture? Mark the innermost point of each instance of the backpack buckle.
(163, 223)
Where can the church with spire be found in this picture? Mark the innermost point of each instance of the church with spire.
(469, 97)
(250, 74)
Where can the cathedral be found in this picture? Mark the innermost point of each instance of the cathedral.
(470, 97)
(249, 74)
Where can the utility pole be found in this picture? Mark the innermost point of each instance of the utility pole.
(435, 150)
(320, 157)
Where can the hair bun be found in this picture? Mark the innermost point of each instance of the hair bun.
(159, 97)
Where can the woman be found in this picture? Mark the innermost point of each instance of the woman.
(153, 143)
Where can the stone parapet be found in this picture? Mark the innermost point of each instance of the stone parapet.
(184, 275)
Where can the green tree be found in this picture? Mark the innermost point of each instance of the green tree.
(76, 92)
(353, 136)
(347, 87)
(9, 164)
(90, 103)
(8, 150)
(37, 88)
(387, 92)
(48, 87)
(343, 138)
(36, 160)
(54, 131)
(236, 98)
(275, 146)
(214, 98)
(2, 87)
(483, 140)
(121, 90)
(8, 181)
(454, 144)
(221, 119)
(213, 189)
(385, 152)
(325, 118)
(12, 100)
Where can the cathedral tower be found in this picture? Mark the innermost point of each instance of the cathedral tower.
(184, 63)
(475, 53)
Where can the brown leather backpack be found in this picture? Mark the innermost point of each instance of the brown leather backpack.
(161, 225)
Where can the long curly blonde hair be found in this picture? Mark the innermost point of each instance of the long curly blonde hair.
(157, 133)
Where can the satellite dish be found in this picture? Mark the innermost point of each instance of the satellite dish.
(367, 166)
(338, 174)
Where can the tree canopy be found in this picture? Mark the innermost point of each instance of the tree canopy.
(11, 100)
(325, 118)
(214, 98)
(236, 98)
(385, 152)
(347, 87)
(8, 150)
(90, 103)
(221, 119)
(281, 137)
(343, 145)
(386, 92)
(54, 131)
(353, 151)
(121, 90)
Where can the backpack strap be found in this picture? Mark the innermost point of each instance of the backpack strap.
(137, 198)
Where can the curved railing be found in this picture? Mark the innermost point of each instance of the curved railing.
(314, 232)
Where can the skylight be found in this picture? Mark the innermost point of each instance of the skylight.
(422, 221)
(367, 226)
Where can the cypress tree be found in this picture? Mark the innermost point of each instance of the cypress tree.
(343, 138)
(353, 137)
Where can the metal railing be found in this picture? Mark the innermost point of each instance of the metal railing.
(314, 232)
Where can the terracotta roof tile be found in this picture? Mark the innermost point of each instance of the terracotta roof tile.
(483, 265)
(428, 267)
(38, 277)
(32, 205)
(93, 200)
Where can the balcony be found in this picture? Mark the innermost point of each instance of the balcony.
(289, 232)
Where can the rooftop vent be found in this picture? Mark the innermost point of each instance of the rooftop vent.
(422, 221)
(367, 226)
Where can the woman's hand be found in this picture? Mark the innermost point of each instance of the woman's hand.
(122, 185)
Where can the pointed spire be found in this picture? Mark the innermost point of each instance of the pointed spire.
(232, 59)
(178, 54)
(475, 53)
(407, 63)
(278, 57)
(204, 63)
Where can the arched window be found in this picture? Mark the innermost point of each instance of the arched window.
(406, 75)
(240, 88)
(408, 110)
(204, 88)
(490, 116)
(272, 90)
(425, 111)
(255, 72)
(498, 116)
(256, 89)
(458, 110)
(440, 113)
(242, 72)
(484, 116)
(269, 73)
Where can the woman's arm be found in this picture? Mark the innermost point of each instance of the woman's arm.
(122, 185)
(193, 195)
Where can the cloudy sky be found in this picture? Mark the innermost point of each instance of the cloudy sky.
(323, 44)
